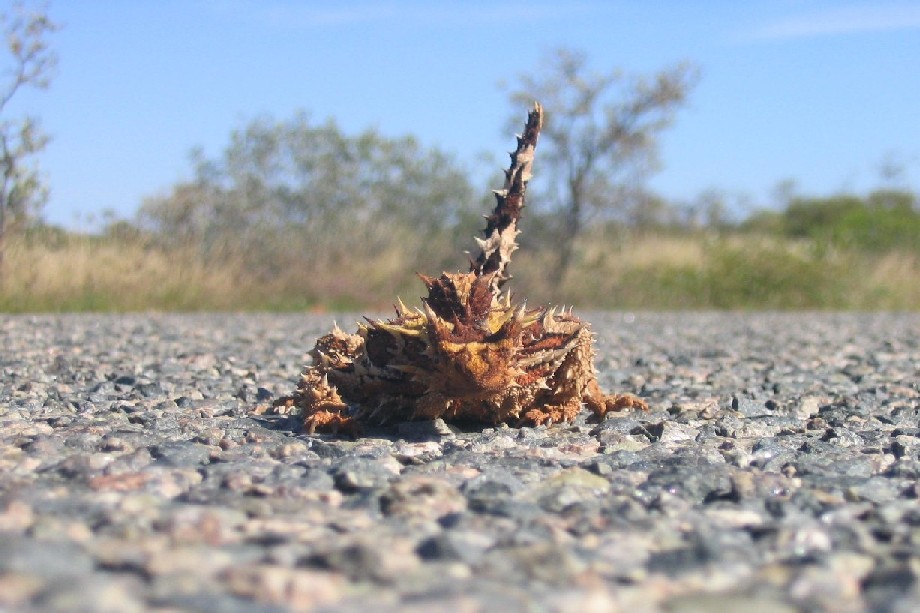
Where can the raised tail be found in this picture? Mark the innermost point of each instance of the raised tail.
(501, 226)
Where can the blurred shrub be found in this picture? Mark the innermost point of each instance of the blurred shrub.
(883, 221)
(307, 208)
(770, 274)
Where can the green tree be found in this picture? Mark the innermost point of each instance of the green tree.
(600, 139)
(30, 64)
(297, 192)
(884, 220)
(819, 217)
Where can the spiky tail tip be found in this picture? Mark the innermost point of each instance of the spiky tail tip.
(501, 226)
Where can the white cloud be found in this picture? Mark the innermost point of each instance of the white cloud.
(853, 19)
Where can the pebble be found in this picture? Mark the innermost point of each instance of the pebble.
(777, 470)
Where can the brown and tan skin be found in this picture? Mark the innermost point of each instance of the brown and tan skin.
(468, 353)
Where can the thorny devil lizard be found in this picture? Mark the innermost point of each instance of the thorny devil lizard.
(469, 353)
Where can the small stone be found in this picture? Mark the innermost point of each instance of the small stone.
(809, 406)
(735, 517)
(370, 561)
(568, 487)
(201, 524)
(676, 433)
(191, 560)
(48, 559)
(704, 603)
(112, 594)
(543, 562)
(16, 517)
(706, 409)
(422, 497)
(364, 473)
(17, 588)
(750, 407)
(291, 588)
(182, 453)
(464, 546)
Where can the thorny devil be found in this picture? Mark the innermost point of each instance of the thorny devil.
(469, 353)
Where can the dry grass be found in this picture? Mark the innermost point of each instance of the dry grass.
(86, 274)
(76, 273)
(891, 282)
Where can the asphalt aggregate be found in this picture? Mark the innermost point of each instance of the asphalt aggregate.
(777, 470)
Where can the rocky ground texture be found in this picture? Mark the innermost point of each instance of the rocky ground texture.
(776, 471)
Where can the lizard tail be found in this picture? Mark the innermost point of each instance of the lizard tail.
(501, 226)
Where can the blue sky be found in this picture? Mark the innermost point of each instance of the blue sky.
(815, 91)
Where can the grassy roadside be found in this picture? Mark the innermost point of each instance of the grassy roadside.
(658, 272)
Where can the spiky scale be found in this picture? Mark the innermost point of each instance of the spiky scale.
(469, 352)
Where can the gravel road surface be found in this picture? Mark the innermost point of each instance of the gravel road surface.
(776, 471)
